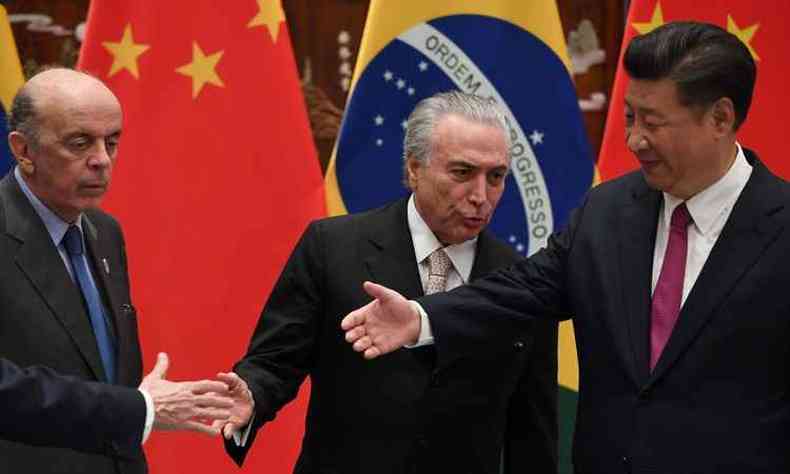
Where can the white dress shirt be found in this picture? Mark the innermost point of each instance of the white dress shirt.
(425, 243)
(709, 209)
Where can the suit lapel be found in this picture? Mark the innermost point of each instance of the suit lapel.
(488, 256)
(392, 261)
(749, 230)
(637, 237)
(39, 260)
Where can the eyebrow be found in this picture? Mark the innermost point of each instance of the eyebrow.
(644, 110)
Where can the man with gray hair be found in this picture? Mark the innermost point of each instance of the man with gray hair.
(400, 415)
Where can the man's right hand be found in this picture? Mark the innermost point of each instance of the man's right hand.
(387, 323)
(243, 404)
(191, 406)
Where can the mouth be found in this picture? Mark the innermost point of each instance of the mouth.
(93, 188)
(648, 165)
(474, 221)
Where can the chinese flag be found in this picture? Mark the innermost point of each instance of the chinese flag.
(216, 178)
(762, 26)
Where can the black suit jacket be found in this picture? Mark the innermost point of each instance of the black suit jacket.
(43, 408)
(43, 321)
(394, 414)
(718, 400)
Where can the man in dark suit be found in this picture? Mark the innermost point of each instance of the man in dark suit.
(675, 276)
(400, 416)
(64, 291)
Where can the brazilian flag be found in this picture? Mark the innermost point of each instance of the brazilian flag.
(513, 51)
(10, 80)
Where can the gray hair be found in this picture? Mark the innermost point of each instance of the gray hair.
(23, 118)
(418, 139)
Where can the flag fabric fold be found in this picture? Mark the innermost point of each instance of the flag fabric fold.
(217, 176)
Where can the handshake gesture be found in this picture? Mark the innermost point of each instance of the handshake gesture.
(207, 406)
(225, 405)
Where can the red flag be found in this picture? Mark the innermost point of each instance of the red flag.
(762, 27)
(216, 178)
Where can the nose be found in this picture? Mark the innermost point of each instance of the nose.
(636, 142)
(100, 157)
(478, 190)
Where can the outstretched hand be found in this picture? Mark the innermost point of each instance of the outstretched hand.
(387, 323)
(190, 406)
(243, 404)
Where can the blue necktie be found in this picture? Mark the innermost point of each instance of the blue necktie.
(72, 241)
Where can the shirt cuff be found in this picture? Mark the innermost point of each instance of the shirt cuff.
(149, 415)
(241, 437)
(426, 334)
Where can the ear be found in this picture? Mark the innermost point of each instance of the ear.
(722, 114)
(412, 169)
(20, 148)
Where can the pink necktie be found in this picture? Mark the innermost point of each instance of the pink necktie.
(669, 289)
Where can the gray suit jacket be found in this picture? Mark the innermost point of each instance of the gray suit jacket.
(43, 321)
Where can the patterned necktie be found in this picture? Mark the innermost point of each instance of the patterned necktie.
(439, 267)
(72, 241)
(668, 294)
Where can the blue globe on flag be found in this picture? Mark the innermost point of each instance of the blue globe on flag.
(551, 168)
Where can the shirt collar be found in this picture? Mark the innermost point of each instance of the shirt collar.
(425, 243)
(709, 204)
(56, 227)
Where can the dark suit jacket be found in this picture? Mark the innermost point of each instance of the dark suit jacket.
(718, 400)
(394, 415)
(43, 321)
(43, 408)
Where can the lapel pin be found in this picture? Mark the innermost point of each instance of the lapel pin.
(106, 266)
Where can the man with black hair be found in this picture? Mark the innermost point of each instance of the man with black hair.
(675, 277)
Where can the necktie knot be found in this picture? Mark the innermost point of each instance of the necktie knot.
(680, 217)
(72, 241)
(439, 265)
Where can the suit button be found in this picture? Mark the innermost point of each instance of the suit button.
(519, 345)
(626, 464)
(112, 448)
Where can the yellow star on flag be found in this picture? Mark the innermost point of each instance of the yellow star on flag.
(270, 14)
(202, 69)
(745, 34)
(125, 53)
(655, 22)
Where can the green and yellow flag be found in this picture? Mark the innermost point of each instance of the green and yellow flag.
(11, 79)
